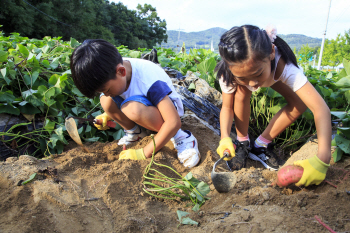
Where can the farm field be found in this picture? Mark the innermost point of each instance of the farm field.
(95, 192)
(74, 191)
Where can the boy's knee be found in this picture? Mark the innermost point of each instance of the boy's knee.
(131, 110)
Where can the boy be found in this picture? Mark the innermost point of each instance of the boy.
(135, 93)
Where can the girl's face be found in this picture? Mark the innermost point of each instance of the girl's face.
(253, 73)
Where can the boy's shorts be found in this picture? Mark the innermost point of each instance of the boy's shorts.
(137, 98)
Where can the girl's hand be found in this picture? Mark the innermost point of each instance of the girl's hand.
(105, 118)
(132, 154)
(226, 143)
(314, 171)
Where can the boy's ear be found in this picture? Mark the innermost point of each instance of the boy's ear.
(121, 70)
(272, 54)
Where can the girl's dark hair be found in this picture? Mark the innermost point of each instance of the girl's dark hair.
(240, 43)
(92, 64)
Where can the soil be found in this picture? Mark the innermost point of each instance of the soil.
(95, 192)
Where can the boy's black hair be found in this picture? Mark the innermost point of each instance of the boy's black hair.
(93, 63)
(239, 43)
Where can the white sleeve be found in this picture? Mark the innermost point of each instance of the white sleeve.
(226, 89)
(293, 77)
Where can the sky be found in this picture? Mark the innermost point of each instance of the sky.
(307, 17)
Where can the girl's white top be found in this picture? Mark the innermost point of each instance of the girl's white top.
(292, 76)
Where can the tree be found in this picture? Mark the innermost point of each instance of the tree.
(305, 54)
(336, 49)
(152, 27)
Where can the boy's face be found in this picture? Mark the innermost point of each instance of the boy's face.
(116, 86)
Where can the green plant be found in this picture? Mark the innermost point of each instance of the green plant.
(180, 188)
(35, 83)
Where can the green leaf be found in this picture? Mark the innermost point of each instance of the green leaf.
(49, 125)
(31, 178)
(54, 64)
(343, 143)
(3, 72)
(337, 154)
(192, 87)
(23, 50)
(340, 115)
(35, 101)
(273, 110)
(119, 134)
(185, 220)
(93, 139)
(344, 82)
(3, 56)
(188, 221)
(27, 108)
(346, 65)
(308, 115)
(74, 43)
(7, 97)
(59, 132)
(135, 54)
(203, 188)
(196, 208)
(207, 65)
(46, 63)
(347, 95)
(9, 108)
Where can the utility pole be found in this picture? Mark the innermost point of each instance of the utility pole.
(324, 36)
(178, 38)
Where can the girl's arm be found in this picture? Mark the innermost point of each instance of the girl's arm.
(322, 116)
(168, 129)
(226, 114)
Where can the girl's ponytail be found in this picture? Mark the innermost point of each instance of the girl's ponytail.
(223, 71)
(285, 51)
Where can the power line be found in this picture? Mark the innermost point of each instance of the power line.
(46, 14)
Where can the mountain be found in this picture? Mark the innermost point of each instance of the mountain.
(204, 38)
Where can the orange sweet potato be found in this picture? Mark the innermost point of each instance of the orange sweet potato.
(288, 175)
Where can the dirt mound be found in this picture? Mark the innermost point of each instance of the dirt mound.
(95, 192)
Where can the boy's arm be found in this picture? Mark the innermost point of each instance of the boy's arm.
(171, 125)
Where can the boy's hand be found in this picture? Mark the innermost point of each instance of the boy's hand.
(226, 143)
(133, 154)
(314, 171)
(104, 117)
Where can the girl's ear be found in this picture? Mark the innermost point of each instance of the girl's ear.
(120, 70)
(272, 54)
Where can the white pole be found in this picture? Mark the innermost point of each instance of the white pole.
(324, 36)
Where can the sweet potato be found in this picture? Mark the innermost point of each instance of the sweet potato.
(288, 175)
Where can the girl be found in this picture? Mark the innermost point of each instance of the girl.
(254, 58)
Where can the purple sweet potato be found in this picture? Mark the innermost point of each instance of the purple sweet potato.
(288, 175)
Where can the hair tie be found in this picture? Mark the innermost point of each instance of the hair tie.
(271, 31)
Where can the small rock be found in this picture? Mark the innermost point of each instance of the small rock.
(212, 187)
(261, 180)
(85, 222)
(266, 196)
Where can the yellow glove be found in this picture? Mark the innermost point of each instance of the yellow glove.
(132, 154)
(226, 143)
(104, 117)
(314, 171)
